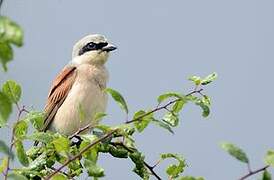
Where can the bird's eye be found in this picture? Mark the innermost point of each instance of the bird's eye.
(91, 46)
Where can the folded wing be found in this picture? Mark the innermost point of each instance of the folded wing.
(58, 93)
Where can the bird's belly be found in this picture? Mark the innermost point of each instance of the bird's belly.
(79, 108)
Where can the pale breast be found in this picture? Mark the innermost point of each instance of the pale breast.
(85, 99)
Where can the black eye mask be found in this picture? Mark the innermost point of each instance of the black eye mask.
(92, 46)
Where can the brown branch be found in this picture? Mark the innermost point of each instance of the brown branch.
(151, 168)
(157, 163)
(20, 111)
(158, 108)
(80, 154)
(250, 173)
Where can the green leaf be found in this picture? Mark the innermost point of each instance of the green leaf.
(143, 122)
(36, 119)
(163, 125)
(59, 176)
(118, 98)
(61, 143)
(168, 95)
(140, 168)
(178, 106)
(235, 151)
(10, 31)
(20, 129)
(5, 149)
(174, 170)
(266, 175)
(4, 164)
(205, 108)
(6, 54)
(269, 158)
(206, 100)
(93, 169)
(196, 79)
(12, 90)
(171, 118)
(44, 137)
(203, 103)
(5, 109)
(75, 168)
(21, 154)
(119, 152)
(16, 176)
(98, 116)
(92, 153)
(209, 79)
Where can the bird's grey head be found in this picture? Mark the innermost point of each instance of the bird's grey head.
(92, 49)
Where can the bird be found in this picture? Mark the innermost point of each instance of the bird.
(77, 93)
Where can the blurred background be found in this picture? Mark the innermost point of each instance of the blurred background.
(161, 43)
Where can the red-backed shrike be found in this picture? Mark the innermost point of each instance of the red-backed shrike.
(77, 93)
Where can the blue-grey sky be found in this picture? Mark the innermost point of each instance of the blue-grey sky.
(161, 43)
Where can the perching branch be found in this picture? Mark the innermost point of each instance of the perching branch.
(80, 130)
(250, 173)
(162, 107)
(80, 153)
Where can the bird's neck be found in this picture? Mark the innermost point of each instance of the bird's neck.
(89, 72)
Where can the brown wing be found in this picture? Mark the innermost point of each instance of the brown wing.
(58, 93)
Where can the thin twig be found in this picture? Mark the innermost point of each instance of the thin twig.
(80, 154)
(151, 168)
(250, 173)
(158, 108)
(81, 130)
(20, 111)
(157, 163)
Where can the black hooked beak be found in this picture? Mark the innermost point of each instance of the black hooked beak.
(109, 48)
